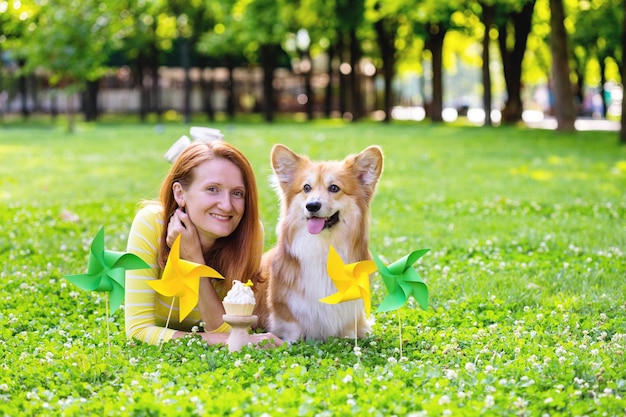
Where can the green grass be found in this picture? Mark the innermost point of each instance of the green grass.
(527, 277)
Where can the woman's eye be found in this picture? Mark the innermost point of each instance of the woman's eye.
(212, 189)
(238, 194)
(306, 188)
(333, 188)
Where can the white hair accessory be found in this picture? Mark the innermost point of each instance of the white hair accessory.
(206, 134)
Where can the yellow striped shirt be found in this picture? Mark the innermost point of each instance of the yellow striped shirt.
(146, 311)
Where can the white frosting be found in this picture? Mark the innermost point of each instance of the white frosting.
(240, 294)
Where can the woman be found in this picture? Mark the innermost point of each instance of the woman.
(210, 198)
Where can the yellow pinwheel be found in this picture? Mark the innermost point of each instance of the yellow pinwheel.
(181, 279)
(352, 280)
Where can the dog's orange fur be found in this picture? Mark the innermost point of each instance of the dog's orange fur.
(294, 270)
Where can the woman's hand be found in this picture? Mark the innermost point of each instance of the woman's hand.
(266, 340)
(180, 224)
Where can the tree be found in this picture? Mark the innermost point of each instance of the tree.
(14, 22)
(71, 54)
(142, 28)
(388, 17)
(564, 109)
(595, 40)
(623, 74)
(223, 43)
(264, 25)
(516, 18)
(488, 15)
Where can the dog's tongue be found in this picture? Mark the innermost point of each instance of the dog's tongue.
(316, 225)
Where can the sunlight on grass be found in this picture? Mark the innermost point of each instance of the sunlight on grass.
(527, 231)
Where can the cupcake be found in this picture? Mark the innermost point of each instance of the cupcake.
(240, 299)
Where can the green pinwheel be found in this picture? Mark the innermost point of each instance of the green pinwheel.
(106, 271)
(402, 281)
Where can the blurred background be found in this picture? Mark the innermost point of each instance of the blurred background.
(491, 62)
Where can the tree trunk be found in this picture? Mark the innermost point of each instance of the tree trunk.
(602, 92)
(70, 113)
(488, 15)
(206, 86)
(230, 98)
(623, 73)
(54, 103)
(328, 97)
(91, 100)
(563, 96)
(386, 41)
(355, 79)
(187, 83)
(308, 89)
(343, 78)
(512, 61)
(156, 85)
(23, 88)
(268, 62)
(143, 92)
(434, 42)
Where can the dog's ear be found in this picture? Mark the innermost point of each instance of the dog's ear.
(369, 165)
(284, 163)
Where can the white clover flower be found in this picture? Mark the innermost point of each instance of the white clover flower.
(194, 329)
(237, 363)
(133, 361)
(548, 400)
(489, 401)
(451, 374)
(347, 379)
(444, 400)
(4, 387)
(446, 413)
(520, 403)
(470, 367)
(357, 352)
(392, 360)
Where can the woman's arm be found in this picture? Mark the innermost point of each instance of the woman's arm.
(140, 298)
(209, 303)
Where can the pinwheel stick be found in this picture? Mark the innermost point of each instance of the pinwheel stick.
(106, 308)
(355, 323)
(400, 332)
(169, 315)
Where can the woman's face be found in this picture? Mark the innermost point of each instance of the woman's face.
(215, 200)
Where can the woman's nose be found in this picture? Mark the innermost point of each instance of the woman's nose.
(226, 201)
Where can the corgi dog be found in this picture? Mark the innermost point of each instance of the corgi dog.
(323, 203)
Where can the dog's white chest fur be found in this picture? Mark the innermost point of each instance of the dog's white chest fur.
(318, 320)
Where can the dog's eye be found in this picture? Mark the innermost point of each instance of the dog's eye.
(306, 188)
(333, 188)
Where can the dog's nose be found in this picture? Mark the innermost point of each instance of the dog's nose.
(314, 206)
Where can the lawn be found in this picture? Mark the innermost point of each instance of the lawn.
(526, 273)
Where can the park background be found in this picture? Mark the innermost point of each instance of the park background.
(491, 61)
(526, 226)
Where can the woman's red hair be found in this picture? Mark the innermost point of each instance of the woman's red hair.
(237, 256)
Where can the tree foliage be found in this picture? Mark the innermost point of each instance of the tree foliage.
(73, 41)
